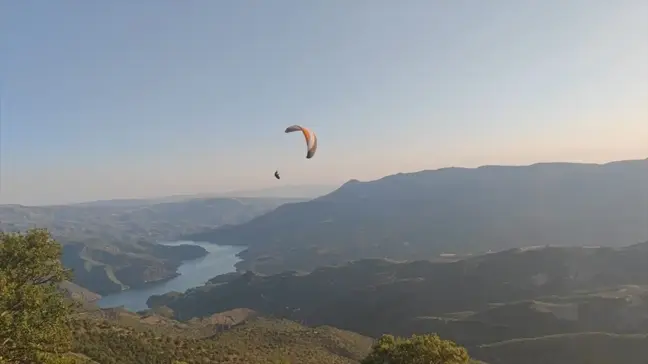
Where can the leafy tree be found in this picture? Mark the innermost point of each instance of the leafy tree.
(424, 349)
(34, 315)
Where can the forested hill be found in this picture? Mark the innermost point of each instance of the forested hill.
(234, 337)
(114, 336)
(451, 210)
(519, 293)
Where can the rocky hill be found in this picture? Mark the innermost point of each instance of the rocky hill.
(452, 210)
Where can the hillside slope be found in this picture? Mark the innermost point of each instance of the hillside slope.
(78, 293)
(114, 336)
(117, 336)
(452, 210)
(582, 348)
(481, 300)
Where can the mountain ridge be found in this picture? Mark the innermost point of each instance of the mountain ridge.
(276, 192)
(452, 210)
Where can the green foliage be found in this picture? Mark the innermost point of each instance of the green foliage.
(34, 316)
(257, 341)
(423, 349)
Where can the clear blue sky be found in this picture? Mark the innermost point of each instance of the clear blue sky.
(108, 99)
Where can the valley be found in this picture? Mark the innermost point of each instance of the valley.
(550, 305)
(475, 302)
(531, 264)
(111, 245)
(324, 182)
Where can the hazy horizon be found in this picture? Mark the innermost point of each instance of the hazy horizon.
(257, 192)
(137, 100)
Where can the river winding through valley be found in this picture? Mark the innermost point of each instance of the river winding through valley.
(219, 260)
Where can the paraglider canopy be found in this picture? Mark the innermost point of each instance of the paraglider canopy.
(311, 139)
(311, 142)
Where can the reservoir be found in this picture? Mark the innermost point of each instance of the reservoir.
(219, 260)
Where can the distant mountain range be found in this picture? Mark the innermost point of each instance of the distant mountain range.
(567, 283)
(110, 245)
(304, 192)
(438, 215)
(290, 191)
(452, 210)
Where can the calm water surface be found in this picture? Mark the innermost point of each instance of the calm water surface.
(219, 260)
